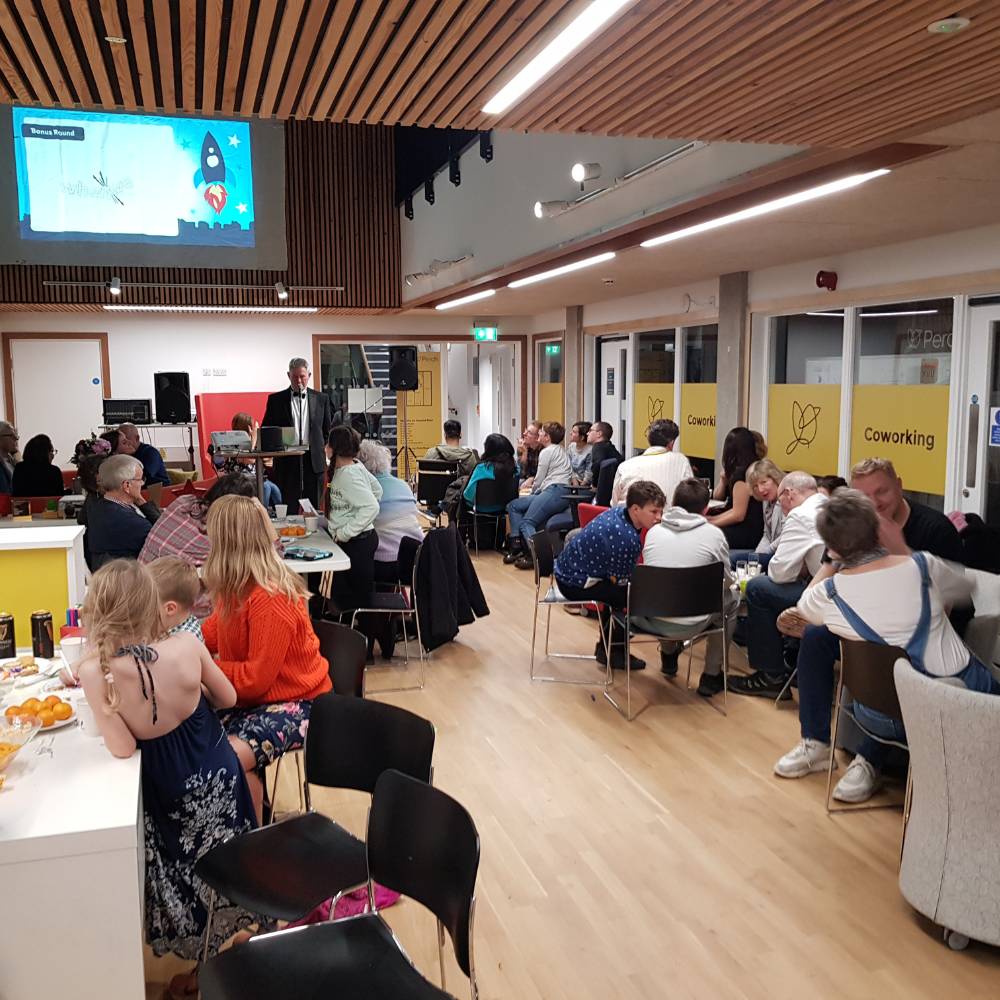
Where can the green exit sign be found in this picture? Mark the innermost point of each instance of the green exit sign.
(484, 333)
(552, 348)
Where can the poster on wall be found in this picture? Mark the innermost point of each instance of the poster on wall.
(422, 409)
(908, 424)
(803, 427)
(650, 401)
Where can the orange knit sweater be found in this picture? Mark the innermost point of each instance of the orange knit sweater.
(268, 649)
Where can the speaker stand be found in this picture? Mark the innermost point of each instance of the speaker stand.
(406, 451)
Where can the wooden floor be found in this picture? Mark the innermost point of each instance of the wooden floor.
(657, 859)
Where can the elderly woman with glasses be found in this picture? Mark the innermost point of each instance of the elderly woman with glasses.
(118, 522)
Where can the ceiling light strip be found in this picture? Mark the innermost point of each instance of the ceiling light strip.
(123, 307)
(565, 269)
(474, 297)
(764, 208)
(582, 27)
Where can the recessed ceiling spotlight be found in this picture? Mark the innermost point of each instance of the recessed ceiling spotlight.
(948, 25)
(282, 291)
(550, 209)
(115, 286)
(115, 40)
(585, 172)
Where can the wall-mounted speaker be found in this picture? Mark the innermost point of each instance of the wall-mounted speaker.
(403, 368)
(172, 392)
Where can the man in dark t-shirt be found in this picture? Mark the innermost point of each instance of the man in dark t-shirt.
(601, 448)
(906, 527)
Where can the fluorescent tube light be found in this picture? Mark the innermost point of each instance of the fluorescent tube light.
(589, 21)
(835, 315)
(910, 312)
(474, 297)
(565, 269)
(810, 194)
(212, 309)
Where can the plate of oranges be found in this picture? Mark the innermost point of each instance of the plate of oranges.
(52, 712)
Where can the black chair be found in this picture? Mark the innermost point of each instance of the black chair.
(287, 869)
(866, 671)
(491, 493)
(421, 843)
(346, 650)
(395, 603)
(605, 481)
(668, 592)
(434, 476)
(543, 556)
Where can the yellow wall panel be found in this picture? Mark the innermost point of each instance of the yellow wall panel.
(650, 401)
(423, 405)
(803, 427)
(908, 424)
(698, 419)
(550, 402)
(33, 580)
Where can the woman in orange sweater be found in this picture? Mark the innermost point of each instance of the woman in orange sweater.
(261, 636)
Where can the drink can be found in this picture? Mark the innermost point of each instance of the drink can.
(41, 635)
(8, 644)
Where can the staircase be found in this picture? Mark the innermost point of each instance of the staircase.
(377, 357)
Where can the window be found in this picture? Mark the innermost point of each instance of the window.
(900, 408)
(698, 407)
(653, 396)
(549, 367)
(803, 411)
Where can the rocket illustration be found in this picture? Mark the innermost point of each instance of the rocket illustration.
(212, 173)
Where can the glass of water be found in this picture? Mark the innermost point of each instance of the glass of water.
(753, 565)
(741, 569)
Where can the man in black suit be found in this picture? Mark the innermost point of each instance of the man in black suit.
(308, 412)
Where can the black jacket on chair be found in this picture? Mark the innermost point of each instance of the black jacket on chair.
(448, 591)
(278, 413)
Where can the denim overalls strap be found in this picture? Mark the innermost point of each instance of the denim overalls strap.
(916, 647)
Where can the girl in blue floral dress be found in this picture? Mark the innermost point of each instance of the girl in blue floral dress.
(157, 695)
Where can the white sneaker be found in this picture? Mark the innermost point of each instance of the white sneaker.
(859, 783)
(807, 757)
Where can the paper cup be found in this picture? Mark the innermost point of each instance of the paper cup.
(281, 511)
(88, 724)
(72, 649)
(311, 522)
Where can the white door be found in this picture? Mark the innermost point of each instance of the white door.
(979, 474)
(611, 390)
(58, 390)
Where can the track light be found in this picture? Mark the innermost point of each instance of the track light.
(281, 290)
(550, 209)
(585, 172)
(115, 286)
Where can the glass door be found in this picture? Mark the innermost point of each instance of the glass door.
(979, 478)
(611, 390)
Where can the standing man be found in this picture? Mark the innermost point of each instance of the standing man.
(153, 469)
(8, 455)
(308, 412)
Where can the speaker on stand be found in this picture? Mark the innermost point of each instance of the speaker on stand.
(172, 392)
(404, 378)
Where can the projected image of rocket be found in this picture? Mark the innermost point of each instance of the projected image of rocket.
(212, 173)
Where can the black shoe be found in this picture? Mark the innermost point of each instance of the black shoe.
(512, 556)
(668, 663)
(760, 684)
(710, 684)
(618, 660)
(525, 562)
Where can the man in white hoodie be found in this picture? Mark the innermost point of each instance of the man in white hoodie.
(683, 540)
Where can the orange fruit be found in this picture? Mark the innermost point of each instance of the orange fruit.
(62, 711)
(13, 711)
(31, 706)
(52, 700)
(46, 718)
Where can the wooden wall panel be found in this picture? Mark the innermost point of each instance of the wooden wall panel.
(342, 227)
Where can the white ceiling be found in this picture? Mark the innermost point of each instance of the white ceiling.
(957, 189)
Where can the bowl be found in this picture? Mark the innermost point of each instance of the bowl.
(15, 735)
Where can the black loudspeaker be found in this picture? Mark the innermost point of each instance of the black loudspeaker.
(270, 439)
(402, 368)
(172, 391)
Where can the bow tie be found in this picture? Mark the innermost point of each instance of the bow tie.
(299, 395)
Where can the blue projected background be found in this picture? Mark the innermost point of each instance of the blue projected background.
(133, 178)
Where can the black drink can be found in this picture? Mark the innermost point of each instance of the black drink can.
(41, 635)
(8, 645)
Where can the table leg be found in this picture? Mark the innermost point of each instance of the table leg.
(259, 466)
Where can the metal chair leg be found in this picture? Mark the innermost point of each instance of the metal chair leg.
(548, 625)
(534, 632)
(788, 684)
(907, 802)
(208, 926)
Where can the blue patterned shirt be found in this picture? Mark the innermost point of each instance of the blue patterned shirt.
(607, 549)
(190, 624)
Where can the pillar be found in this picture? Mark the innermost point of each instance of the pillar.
(572, 352)
(731, 374)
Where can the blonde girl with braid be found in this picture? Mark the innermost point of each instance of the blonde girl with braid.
(158, 694)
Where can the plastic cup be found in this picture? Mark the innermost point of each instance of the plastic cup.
(311, 522)
(71, 648)
(88, 723)
(281, 511)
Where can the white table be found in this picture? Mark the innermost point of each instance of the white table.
(337, 560)
(71, 869)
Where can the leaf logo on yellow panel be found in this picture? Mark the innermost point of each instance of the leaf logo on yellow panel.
(654, 408)
(805, 425)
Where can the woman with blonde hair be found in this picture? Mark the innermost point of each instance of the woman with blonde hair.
(157, 694)
(764, 479)
(261, 636)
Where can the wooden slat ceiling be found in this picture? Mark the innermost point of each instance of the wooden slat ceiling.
(806, 72)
